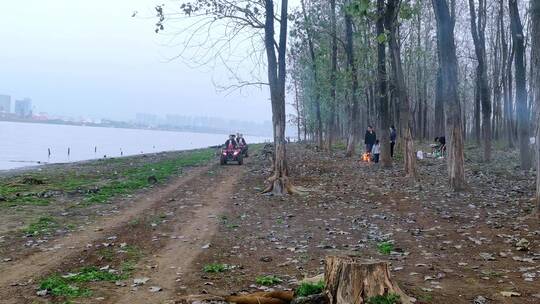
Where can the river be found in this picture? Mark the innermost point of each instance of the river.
(28, 144)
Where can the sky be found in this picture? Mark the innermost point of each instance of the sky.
(93, 59)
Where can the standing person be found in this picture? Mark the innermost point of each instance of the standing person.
(369, 139)
(376, 151)
(393, 137)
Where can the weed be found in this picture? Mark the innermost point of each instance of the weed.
(385, 247)
(134, 222)
(93, 274)
(268, 280)
(390, 298)
(127, 267)
(60, 287)
(70, 285)
(427, 298)
(307, 289)
(71, 227)
(304, 257)
(43, 225)
(106, 254)
(29, 201)
(214, 268)
(133, 252)
(492, 273)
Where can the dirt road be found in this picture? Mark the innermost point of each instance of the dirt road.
(187, 210)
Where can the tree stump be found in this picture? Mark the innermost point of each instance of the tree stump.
(352, 280)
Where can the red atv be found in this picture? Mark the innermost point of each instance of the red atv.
(231, 153)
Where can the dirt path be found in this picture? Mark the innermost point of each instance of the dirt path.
(187, 240)
(192, 202)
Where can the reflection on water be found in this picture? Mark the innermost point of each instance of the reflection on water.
(27, 144)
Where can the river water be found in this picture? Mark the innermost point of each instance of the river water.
(28, 144)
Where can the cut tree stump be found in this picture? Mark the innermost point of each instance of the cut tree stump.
(353, 280)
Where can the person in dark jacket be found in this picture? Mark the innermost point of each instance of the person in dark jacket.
(231, 141)
(393, 138)
(369, 139)
(242, 143)
(440, 145)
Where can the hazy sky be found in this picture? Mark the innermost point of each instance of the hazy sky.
(91, 58)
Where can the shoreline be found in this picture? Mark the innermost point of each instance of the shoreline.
(89, 162)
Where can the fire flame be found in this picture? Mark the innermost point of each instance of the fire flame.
(366, 157)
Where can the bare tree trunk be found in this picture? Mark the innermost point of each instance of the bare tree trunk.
(382, 82)
(521, 91)
(509, 84)
(535, 14)
(333, 71)
(392, 23)
(479, 38)
(497, 114)
(349, 49)
(297, 108)
(352, 280)
(278, 183)
(439, 106)
(477, 135)
(315, 78)
(448, 60)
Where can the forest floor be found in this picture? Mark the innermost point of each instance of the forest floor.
(207, 229)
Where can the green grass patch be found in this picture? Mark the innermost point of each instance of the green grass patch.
(385, 247)
(43, 225)
(109, 177)
(306, 289)
(214, 268)
(137, 178)
(60, 287)
(71, 286)
(268, 280)
(390, 298)
(94, 274)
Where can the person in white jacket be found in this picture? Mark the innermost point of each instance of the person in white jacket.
(376, 151)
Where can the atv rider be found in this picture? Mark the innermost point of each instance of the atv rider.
(231, 142)
(242, 143)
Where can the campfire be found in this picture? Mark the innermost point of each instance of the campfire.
(366, 157)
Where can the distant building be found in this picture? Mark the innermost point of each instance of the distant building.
(149, 120)
(23, 108)
(5, 103)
